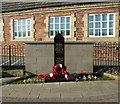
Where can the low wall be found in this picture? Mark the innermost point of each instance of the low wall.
(40, 56)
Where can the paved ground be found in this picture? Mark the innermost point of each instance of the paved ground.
(89, 91)
(6, 80)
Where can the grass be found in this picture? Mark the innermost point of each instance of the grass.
(21, 80)
(98, 79)
(105, 78)
(41, 80)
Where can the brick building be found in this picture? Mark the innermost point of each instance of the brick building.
(41, 21)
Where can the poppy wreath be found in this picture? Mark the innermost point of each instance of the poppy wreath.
(59, 70)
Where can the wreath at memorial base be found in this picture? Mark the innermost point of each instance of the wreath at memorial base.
(56, 70)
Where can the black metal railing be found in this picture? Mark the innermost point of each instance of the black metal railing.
(12, 56)
(106, 54)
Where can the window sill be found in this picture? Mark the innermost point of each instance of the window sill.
(1, 39)
(100, 36)
(101, 39)
(63, 36)
(66, 38)
(23, 39)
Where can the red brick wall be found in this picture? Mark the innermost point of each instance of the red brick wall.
(40, 25)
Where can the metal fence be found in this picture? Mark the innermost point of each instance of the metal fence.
(12, 56)
(106, 54)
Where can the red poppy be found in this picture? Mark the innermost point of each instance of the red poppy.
(43, 76)
(56, 70)
(81, 73)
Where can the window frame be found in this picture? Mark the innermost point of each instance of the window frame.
(1, 26)
(65, 16)
(26, 26)
(101, 28)
(2, 31)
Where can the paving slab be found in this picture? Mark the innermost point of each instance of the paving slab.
(7, 90)
(49, 95)
(55, 90)
(63, 91)
(17, 90)
(28, 90)
(68, 84)
(35, 92)
(51, 85)
(0, 92)
(71, 95)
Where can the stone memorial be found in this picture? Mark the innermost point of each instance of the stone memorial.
(59, 49)
(41, 56)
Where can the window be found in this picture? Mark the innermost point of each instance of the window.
(1, 29)
(60, 24)
(102, 25)
(22, 28)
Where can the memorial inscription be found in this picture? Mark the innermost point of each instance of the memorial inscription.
(59, 49)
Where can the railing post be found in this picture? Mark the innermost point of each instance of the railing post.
(10, 56)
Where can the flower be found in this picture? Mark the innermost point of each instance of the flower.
(34, 80)
(75, 75)
(89, 76)
(56, 70)
(92, 76)
(28, 80)
(51, 75)
(76, 79)
(59, 70)
(84, 77)
(95, 77)
(81, 73)
(42, 80)
(24, 81)
(43, 76)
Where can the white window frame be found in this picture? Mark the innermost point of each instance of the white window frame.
(108, 21)
(1, 30)
(21, 29)
(67, 36)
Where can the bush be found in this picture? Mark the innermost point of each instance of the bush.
(100, 73)
(113, 70)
